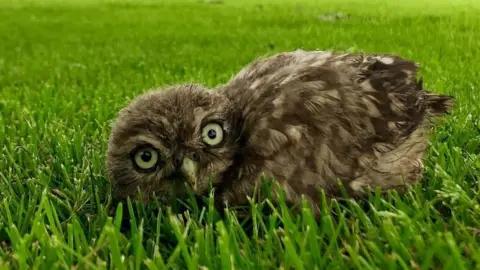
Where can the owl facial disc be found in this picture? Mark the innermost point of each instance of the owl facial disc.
(169, 141)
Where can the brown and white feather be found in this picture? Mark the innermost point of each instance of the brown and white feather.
(305, 118)
(314, 117)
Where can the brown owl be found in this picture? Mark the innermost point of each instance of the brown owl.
(307, 119)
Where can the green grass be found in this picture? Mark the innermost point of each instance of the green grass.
(66, 68)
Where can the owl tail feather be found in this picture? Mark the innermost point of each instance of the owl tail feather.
(439, 104)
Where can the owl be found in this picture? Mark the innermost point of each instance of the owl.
(308, 120)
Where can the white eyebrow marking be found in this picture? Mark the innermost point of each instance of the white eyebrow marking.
(387, 60)
(155, 142)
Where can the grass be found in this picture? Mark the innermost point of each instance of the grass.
(67, 67)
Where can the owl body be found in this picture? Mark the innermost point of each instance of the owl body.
(306, 119)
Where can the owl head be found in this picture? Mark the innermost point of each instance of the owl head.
(168, 139)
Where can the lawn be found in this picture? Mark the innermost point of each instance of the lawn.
(67, 67)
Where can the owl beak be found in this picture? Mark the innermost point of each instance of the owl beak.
(190, 170)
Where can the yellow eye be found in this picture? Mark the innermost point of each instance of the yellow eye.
(212, 134)
(146, 158)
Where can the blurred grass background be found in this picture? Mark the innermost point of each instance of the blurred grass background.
(67, 67)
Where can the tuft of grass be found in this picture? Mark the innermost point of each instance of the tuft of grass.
(67, 67)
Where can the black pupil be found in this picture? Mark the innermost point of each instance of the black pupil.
(212, 134)
(146, 156)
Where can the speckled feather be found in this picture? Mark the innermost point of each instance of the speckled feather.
(305, 118)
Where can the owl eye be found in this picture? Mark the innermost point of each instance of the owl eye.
(212, 134)
(146, 158)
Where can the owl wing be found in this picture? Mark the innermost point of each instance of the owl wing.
(353, 111)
